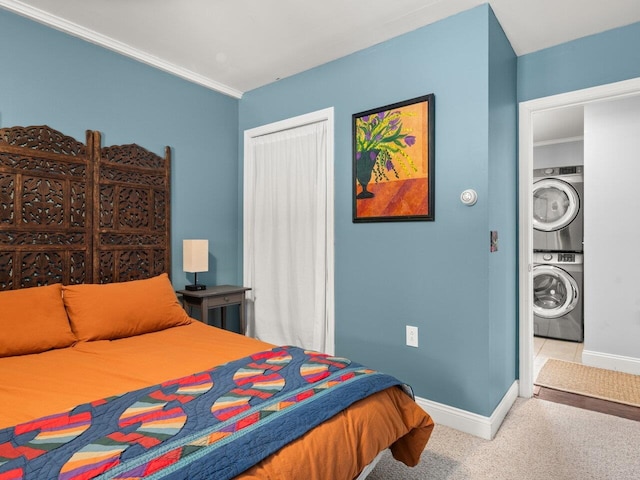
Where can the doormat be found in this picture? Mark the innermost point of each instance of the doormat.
(590, 381)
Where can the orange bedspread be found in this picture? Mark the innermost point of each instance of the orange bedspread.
(42, 384)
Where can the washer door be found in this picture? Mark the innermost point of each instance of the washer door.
(555, 204)
(555, 292)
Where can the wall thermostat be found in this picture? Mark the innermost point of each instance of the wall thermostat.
(469, 197)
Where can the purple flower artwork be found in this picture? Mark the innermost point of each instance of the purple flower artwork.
(393, 161)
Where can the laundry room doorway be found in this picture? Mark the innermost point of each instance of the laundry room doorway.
(558, 234)
(527, 113)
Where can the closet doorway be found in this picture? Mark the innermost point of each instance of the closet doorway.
(527, 110)
(288, 231)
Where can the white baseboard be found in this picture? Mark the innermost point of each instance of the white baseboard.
(472, 423)
(611, 362)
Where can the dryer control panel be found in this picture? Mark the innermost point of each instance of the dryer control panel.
(569, 170)
(567, 257)
(555, 258)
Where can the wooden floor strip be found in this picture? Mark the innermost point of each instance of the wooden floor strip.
(587, 403)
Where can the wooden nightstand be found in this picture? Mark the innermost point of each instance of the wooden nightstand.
(220, 296)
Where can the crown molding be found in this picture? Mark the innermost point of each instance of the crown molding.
(555, 141)
(79, 31)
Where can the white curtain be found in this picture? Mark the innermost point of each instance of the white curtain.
(288, 237)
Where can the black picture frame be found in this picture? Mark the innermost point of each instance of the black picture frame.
(394, 162)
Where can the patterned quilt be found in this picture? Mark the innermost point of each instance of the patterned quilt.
(214, 424)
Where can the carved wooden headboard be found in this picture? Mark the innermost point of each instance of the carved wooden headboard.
(73, 212)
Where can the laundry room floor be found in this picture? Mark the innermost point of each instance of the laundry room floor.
(545, 348)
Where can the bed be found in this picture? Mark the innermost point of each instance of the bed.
(104, 375)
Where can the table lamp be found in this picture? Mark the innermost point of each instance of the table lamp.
(195, 258)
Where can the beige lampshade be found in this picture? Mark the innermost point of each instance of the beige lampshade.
(195, 255)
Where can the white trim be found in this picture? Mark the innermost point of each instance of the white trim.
(79, 31)
(557, 141)
(525, 242)
(293, 122)
(610, 361)
(471, 423)
(525, 212)
(327, 115)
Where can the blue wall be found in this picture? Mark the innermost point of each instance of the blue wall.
(503, 181)
(51, 78)
(434, 275)
(607, 57)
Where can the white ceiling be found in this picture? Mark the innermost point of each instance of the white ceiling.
(233, 46)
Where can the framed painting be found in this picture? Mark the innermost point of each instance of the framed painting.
(393, 162)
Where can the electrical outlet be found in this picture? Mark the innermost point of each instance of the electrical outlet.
(412, 336)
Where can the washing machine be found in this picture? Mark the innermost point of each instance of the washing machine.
(558, 279)
(558, 220)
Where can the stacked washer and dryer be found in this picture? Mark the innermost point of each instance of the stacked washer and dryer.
(558, 253)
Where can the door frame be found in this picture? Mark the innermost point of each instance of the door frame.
(525, 211)
(325, 115)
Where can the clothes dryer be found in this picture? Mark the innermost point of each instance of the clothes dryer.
(558, 209)
(558, 279)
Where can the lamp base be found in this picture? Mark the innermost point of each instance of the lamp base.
(196, 287)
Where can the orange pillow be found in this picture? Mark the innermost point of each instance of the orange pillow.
(33, 320)
(118, 310)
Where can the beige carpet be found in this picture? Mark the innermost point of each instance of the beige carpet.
(590, 381)
(538, 440)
